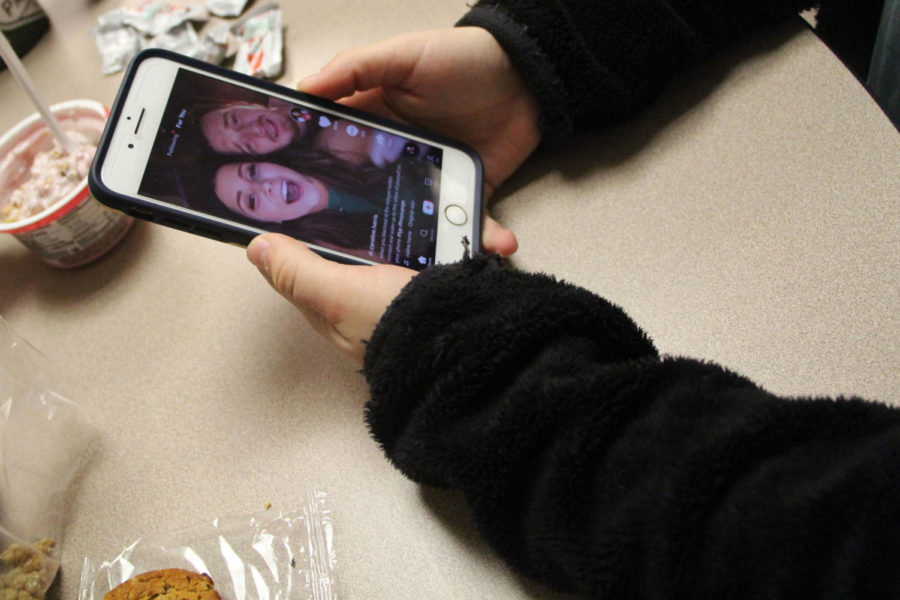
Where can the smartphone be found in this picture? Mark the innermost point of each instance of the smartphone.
(227, 156)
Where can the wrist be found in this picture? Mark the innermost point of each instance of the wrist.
(534, 69)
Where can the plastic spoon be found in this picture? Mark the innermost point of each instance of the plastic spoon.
(18, 70)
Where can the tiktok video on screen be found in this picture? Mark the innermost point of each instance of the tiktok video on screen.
(237, 154)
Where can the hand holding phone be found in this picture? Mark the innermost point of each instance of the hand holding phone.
(223, 155)
(456, 82)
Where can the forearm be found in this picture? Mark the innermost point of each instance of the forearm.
(593, 465)
(594, 63)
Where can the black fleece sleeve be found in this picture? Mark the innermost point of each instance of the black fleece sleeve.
(594, 465)
(595, 62)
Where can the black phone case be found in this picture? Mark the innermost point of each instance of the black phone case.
(237, 233)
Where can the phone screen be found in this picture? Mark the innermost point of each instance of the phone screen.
(239, 154)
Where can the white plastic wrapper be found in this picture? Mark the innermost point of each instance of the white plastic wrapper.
(45, 438)
(182, 39)
(267, 556)
(226, 8)
(155, 18)
(216, 44)
(123, 32)
(255, 41)
(117, 44)
(262, 45)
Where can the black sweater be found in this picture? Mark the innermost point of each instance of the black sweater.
(593, 63)
(594, 465)
(591, 463)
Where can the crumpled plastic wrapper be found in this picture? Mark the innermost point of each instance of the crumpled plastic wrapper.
(154, 18)
(215, 45)
(226, 8)
(117, 44)
(260, 51)
(283, 556)
(45, 439)
(123, 32)
(182, 39)
(255, 41)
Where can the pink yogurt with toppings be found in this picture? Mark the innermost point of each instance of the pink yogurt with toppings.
(44, 197)
(33, 181)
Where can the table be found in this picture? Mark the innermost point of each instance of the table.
(750, 217)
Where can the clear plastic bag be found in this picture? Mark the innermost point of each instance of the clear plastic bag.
(266, 556)
(44, 440)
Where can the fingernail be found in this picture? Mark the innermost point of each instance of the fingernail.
(256, 252)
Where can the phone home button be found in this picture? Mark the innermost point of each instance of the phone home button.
(456, 215)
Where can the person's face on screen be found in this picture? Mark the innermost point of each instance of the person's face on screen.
(249, 129)
(269, 192)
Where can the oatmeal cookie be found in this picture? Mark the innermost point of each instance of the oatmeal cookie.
(165, 584)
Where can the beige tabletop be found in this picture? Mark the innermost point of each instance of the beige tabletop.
(751, 217)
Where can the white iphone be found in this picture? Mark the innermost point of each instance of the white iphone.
(220, 154)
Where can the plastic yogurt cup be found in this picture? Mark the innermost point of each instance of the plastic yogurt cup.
(58, 219)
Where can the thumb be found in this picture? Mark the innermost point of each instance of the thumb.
(498, 239)
(387, 63)
(343, 303)
(306, 279)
